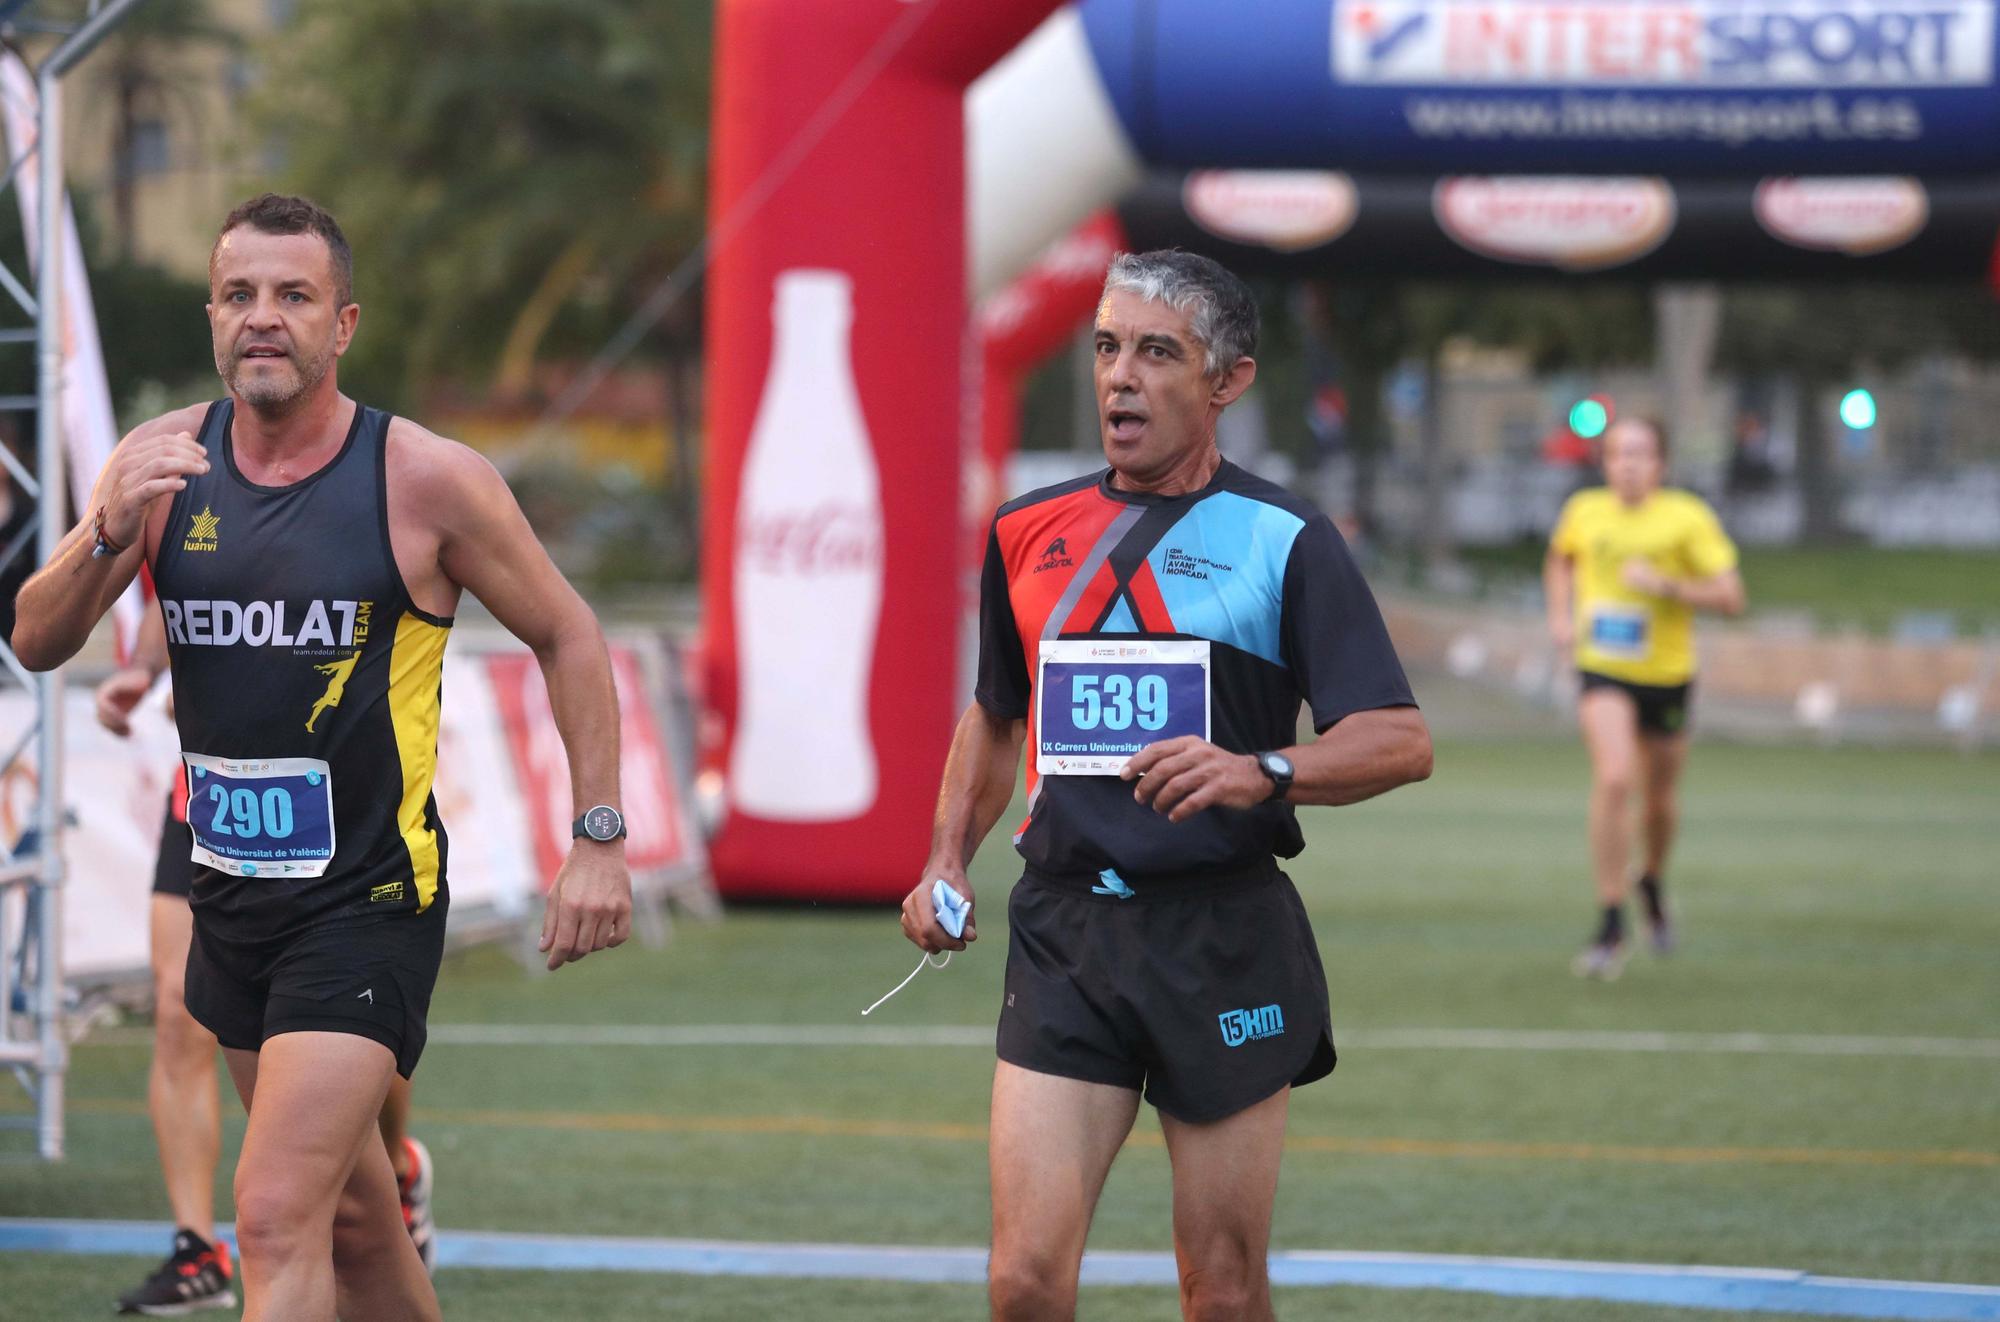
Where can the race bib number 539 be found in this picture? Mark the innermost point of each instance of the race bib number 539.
(261, 818)
(1097, 702)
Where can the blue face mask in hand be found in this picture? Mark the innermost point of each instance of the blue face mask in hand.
(952, 909)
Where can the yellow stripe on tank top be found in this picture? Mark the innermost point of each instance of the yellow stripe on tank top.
(416, 676)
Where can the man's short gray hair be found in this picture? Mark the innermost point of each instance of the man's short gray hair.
(1220, 310)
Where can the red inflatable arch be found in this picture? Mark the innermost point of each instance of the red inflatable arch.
(837, 333)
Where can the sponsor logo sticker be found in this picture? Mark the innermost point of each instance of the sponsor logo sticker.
(1240, 1026)
(1284, 210)
(1570, 222)
(1665, 43)
(1857, 216)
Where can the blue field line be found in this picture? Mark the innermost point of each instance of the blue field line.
(1738, 1289)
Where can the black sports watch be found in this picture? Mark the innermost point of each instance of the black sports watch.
(603, 824)
(1279, 768)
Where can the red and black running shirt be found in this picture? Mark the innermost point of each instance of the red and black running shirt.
(1260, 574)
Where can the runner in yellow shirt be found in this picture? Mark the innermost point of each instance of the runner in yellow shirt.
(1629, 564)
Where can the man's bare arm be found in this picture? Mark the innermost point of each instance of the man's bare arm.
(487, 548)
(123, 690)
(1558, 587)
(59, 606)
(1361, 756)
(1722, 593)
(979, 777)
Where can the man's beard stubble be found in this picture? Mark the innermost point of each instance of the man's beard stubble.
(274, 395)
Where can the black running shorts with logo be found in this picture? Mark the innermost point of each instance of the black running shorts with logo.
(369, 977)
(1663, 709)
(174, 868)
(1204, 992)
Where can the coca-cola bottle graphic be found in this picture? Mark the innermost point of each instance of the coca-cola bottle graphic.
(808, 587)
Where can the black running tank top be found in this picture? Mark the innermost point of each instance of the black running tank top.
(298, 657)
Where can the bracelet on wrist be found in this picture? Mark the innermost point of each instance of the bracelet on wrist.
(104, 545)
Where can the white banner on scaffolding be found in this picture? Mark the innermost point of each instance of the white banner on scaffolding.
(90, 428)
(494, 765)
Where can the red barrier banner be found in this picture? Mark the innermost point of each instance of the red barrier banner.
(654, 812)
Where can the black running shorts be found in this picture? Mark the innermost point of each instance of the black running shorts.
(1663, 709)
(174, 868)
(369, 977)
(1205, 992)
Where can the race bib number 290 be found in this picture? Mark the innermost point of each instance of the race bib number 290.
(261, 818)
(1098, 702)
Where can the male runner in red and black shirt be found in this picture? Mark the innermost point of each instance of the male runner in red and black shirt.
(1155, 628)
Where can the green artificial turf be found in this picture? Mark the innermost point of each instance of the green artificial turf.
(1820, 891)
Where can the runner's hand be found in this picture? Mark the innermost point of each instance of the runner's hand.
(920, 922)
(141, 473)
(1179, 777)
(590, 906)
(118, 695)
(1563, 634)
(1640, 576)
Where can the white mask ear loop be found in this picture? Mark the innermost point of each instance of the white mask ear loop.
(906, 982)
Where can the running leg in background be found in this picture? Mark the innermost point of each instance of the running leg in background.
(1610, 722)
(411, 1161)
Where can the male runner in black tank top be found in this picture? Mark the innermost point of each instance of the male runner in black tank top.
(309, 554)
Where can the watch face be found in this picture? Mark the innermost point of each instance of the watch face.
(602, 823)
(1278, 765)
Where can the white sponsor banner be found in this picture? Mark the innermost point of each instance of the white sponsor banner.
(116, 790)
(1286, 210)
(1857, 216)
(479, 797)
(90, 429)
(1573, 223)
(1644, 43)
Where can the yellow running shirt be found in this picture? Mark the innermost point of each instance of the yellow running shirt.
(1625, 634)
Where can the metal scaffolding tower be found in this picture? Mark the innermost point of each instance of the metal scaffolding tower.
(32, 1042)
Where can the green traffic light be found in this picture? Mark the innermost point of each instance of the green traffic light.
(1857, 409)
(1588, 418)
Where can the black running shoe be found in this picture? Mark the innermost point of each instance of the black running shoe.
(196, 1277)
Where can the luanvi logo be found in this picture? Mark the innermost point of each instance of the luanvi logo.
(368, 996)
(1240, 1026)
(204, 531)
(1055, 555)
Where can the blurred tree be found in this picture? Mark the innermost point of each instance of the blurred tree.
(1375, 325)
(144, 64)
(514, 176)
(155, 336)
(1817, 335)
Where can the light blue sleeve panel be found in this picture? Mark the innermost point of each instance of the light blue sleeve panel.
(1221, 572)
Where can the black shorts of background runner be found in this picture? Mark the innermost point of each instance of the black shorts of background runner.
(174, 867)
(368, 977)
(1204, 991)
(1663, 709)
